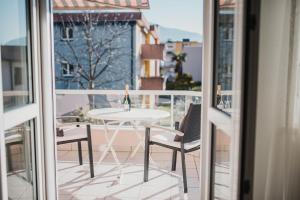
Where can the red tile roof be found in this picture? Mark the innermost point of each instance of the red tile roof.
(99, 4)
(108, 16)
(227, 3)
(103, 16)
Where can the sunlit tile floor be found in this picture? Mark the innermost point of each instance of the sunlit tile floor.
(113, 183)
(18, 187)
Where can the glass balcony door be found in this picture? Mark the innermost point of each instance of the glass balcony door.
(222, 97)
(20, 123)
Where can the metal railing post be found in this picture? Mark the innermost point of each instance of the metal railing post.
(172, 110)
(152, 101)
(187, 102)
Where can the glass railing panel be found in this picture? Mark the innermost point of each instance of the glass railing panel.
(79, 103)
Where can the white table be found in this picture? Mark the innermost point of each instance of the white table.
(118, 116)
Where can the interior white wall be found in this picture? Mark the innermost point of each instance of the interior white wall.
(273, 152)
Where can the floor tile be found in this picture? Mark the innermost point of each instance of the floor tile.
(87, 197)
(155, 193)
(114, 183)
(125, 191)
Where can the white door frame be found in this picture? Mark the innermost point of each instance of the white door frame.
(48, 96)
(211, 115)
(3, 179)
(42, 86)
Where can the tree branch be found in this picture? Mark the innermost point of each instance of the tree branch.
(100, 50)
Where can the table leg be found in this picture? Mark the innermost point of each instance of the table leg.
(135, 127)
(140, 144)
(110, 143)
(120, 124)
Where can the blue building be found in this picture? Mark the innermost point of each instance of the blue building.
(102, 50)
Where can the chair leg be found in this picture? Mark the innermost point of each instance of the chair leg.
(146, 157)
(174, 160)
(9, 160)
(79, 152)
(89, 137)
(184, 170)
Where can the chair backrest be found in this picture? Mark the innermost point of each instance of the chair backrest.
(190, 125)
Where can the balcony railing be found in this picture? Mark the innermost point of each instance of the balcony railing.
(175, 102)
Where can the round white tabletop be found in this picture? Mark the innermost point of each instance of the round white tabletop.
(135, 114)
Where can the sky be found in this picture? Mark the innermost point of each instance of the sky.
(181, 14)
(186, 15)
(13, 21)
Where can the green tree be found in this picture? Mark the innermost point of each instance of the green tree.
(179, 58)
(184, 82)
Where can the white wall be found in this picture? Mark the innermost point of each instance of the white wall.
(277, 143)
(7, 76)
(193, 64)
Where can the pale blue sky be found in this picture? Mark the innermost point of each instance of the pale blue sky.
(12, 21)
(181, 14)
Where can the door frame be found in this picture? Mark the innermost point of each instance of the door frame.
(250, 98)
(48, 96)
(26, 112)
(41, 61)
(48, 103)
(211, 115)
(3, 180)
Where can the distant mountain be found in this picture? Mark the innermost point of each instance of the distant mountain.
(17, 42)
(174, 34)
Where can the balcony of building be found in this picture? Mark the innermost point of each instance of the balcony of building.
(110, 181)
(126, 182)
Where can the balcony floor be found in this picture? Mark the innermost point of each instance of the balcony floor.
(74, 181)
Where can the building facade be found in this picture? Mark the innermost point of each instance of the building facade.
(101, 50)
(225, 37)
(193, 63)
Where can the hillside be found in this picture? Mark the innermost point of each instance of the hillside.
(174, 34)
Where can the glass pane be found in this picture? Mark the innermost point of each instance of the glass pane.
(20, 161)
(221, 167)
(15, 53)
(224, 38)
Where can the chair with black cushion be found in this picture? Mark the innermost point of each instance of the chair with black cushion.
(184, 138)
(66, 134)
(12, 138)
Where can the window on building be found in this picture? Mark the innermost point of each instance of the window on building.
(18, 76)
(228, 34)
(67, 33)
(67, 69)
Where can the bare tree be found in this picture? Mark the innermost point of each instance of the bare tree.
(99, 43)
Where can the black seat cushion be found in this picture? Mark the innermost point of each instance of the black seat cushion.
(190, 124)
(59, 132)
